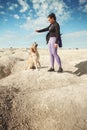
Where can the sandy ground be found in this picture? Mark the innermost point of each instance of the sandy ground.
(41, 100)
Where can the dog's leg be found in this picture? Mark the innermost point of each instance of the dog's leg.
(39, 64)
(36, 66)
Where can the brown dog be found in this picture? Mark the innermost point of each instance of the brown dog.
(33, 60)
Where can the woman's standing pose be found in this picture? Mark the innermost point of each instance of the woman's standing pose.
(53, 41)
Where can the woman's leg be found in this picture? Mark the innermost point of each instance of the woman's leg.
(57, 57)
(54, 52)
(54, 55)
(51, 54)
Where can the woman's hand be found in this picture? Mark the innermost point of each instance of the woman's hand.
(55, 45)
(36, 30)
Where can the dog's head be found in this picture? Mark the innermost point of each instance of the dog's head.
(34, 47)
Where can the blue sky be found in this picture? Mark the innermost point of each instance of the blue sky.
(20, 18)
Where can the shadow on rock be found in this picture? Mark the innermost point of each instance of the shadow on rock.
(81, 68)
(6, 101)
(7, 64)
(4, 71)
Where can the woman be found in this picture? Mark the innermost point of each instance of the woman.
(53, 41)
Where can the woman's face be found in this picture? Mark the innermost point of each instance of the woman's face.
(51, 20)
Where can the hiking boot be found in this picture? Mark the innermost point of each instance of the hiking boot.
(60, 70)
(51, 70)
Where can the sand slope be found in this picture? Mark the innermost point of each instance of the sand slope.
(39, 100)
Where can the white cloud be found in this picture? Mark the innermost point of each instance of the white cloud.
(36, 6)
(82, 1)
(83, 6)
(1, 7)
(75, 39)
(24, 5)
(5, 20)
(2, 12)
(15, 39)
(8, 38)
(15, 5)
(34, 23)
(77, 34)
(12, 6)
(16, 16)
(42, 8)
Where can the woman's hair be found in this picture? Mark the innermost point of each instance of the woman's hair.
(52, 15)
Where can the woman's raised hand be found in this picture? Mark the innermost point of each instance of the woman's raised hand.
(36, 31)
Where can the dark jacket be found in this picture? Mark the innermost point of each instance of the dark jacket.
(54, 31)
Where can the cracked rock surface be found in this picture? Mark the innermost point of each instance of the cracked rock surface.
(40, 100)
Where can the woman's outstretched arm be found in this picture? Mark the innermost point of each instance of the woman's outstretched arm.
(43, 30)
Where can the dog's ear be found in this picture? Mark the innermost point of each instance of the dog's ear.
(33, 50)
(36, 44)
